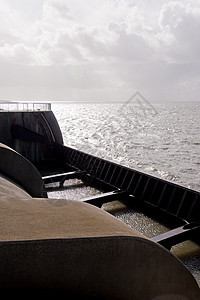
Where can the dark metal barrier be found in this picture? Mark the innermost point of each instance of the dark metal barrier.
(169, 197)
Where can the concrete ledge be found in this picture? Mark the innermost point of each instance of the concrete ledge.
(43, 218)
(104, 267)
(18, 169)
(77, 248)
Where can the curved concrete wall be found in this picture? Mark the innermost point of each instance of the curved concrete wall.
(42, 123)
(54, 126)
(74, 246)
(21, 171)
(104, 267)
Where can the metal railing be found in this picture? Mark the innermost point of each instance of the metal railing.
(24, 106)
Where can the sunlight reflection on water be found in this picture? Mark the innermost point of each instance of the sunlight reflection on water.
(166, 144)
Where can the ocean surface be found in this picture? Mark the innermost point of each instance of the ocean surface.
(160, 139)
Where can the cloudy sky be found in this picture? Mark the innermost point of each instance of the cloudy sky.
(99, 50)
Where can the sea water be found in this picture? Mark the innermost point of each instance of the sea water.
(160, 139)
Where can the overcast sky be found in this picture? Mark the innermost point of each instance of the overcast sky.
(99, 50)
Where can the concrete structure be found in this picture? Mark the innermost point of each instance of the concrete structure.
(30, 133)
(80, 249)
(18, 169)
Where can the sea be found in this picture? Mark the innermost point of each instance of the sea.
(161, 139)
(158, 139)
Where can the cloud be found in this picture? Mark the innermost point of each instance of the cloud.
(8, 20)
(180, 24)
(106, 45)
(128, 34)
(56, 9)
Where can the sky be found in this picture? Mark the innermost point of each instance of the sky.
(99, 50)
